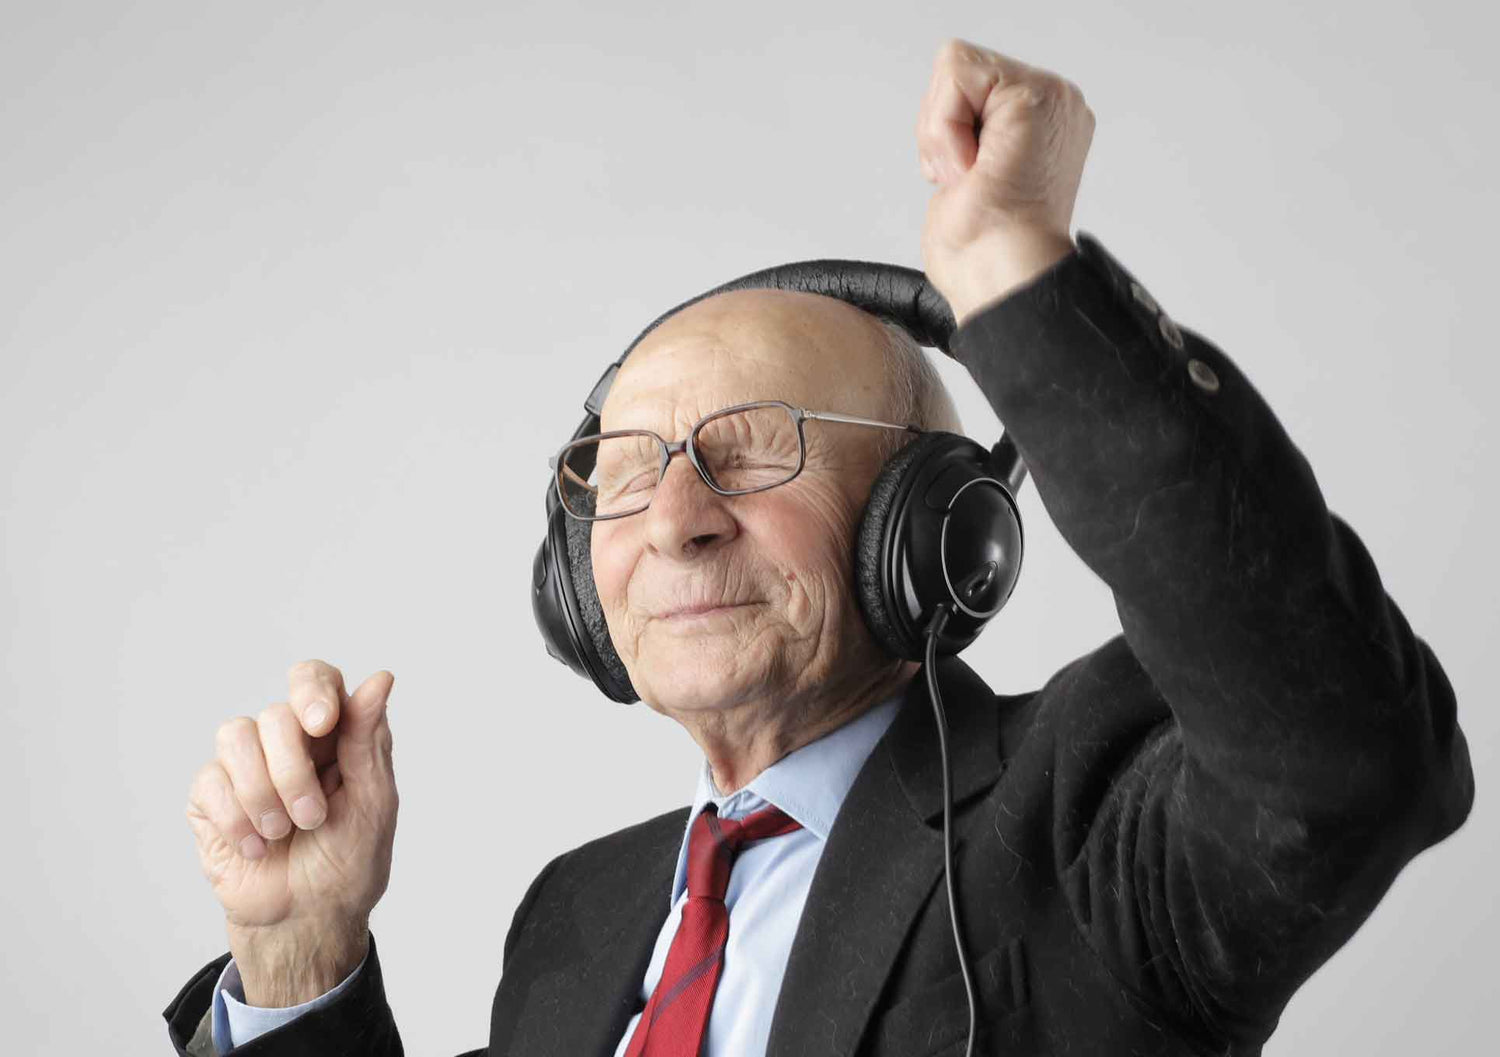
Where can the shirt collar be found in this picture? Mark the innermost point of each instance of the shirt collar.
(809, 784)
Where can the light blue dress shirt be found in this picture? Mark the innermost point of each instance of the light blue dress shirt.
(768, 886)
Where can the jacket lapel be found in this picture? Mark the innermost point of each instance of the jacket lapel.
(584, 1007)
(883, 860)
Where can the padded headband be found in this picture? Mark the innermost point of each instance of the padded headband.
(890, 291)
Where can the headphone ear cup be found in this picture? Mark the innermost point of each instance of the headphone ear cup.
(876, 539)
(610, 673)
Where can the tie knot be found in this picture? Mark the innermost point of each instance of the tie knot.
(714, 842)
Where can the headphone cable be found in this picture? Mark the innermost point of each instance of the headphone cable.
(934, 629)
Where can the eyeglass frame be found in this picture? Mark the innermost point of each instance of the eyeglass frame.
(558, 462)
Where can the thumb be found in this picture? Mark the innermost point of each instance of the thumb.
(364, 744)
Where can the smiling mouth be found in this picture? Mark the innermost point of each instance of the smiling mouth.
(687, 616)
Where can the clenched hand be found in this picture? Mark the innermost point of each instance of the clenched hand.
(295, 818)
(1005, 143)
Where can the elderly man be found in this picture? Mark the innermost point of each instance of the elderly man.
(1153, 850)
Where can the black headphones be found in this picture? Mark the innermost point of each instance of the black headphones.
(940, 531)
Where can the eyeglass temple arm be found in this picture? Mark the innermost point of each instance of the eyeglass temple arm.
(833, 416)
(571, 473)
(1004, 456)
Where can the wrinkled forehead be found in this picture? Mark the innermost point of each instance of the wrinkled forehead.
(811, 351)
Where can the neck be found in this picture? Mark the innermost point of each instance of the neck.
(741, 741)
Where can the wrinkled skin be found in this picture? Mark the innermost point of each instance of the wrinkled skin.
(794, 659)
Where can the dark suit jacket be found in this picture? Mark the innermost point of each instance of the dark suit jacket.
(1155, 848)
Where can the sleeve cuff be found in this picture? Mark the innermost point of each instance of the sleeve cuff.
(235, 1023)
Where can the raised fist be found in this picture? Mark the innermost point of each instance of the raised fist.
(1005, 143)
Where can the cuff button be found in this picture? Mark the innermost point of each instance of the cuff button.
(1203, 376)
(1170, 332)
(1139, 293)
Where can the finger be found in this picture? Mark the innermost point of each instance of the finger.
(239, 754)
(290, 765)
(960, 58)
(211, 799)
(365, 735)
(315, 691)
(968, 85)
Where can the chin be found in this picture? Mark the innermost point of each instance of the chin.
(701, 671)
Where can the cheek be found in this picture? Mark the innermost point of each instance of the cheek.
(613, 557)
(812, 543)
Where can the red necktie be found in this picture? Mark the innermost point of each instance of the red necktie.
(675, 1021)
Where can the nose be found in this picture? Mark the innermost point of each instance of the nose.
(686, 517)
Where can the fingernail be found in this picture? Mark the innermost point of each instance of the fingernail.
(316, 715)
(252, 847)
(308, 812)
(274, 824)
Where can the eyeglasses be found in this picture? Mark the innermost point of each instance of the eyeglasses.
(736, 451)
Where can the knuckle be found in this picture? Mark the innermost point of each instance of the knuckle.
(978, 53)
(309, 669)
(233, 732)
(287, 760)
(1047, 86)
(291, 770)
(273, 715)
(213, 798)
(200, 786)
(954, 50)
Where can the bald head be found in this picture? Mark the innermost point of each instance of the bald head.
(846, 341)
(914, 388)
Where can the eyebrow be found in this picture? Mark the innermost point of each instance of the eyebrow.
(690, 422)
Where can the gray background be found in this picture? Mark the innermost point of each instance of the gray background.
(295, 302)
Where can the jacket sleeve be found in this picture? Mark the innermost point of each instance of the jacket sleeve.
(1214, 859)
(356, 1023)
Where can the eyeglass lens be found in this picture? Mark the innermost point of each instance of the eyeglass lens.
(738, 450)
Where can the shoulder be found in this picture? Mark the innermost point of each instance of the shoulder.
(1092, 713)
(625, 852)
(1107, 678)
(649, 840)
(612, 863)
